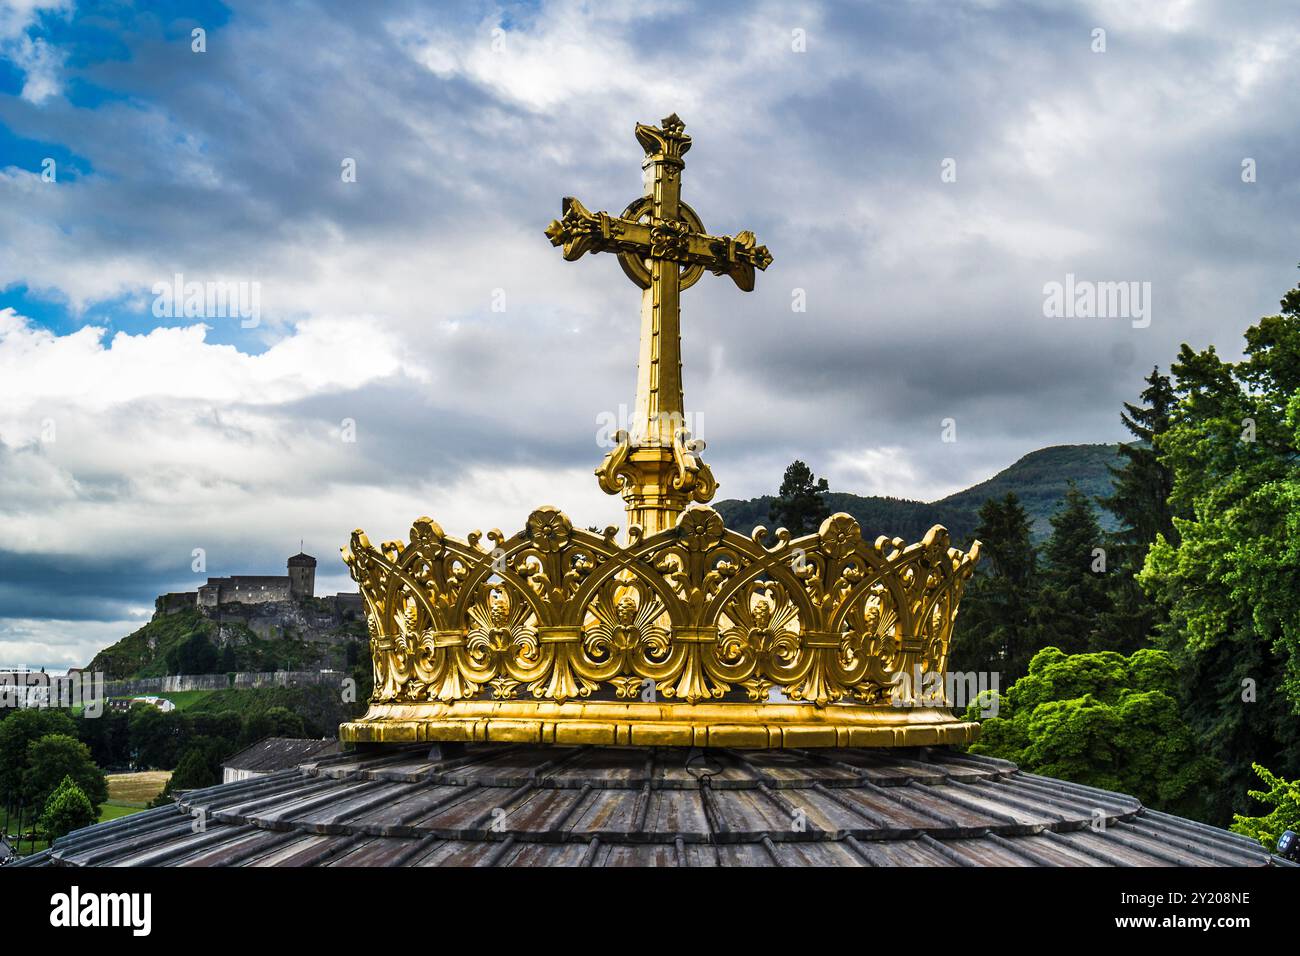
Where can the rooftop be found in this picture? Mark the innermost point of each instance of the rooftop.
(528, 805)
(279, 753)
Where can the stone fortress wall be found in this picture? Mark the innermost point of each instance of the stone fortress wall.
(175, 683)
(297, 585)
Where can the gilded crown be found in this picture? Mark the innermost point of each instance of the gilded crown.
(684, 633)
(697, 635)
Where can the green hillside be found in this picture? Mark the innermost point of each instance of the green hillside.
(321, 707)
(1039, 479)
(173, 643)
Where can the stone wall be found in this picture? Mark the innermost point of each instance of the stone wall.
(174, 602)
(242, 681)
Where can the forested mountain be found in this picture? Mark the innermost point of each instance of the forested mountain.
(1040, 480)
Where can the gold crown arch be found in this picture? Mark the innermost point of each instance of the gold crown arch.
(686, 633)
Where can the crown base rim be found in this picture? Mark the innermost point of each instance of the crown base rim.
(604, 723)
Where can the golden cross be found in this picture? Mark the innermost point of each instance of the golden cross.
(663, 247)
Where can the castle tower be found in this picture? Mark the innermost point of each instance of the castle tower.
(302, 576)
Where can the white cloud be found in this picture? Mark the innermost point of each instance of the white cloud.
(57, 644)
(157, 443)
(17, 16)
(39, 369)
(42, 64)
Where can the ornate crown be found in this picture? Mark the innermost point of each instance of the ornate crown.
(697, 635)
(688, 633)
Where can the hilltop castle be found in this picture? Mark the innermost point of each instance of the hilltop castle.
(298, 585)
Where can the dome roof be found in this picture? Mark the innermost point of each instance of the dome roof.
(529, 805)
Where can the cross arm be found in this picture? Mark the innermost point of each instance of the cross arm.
(580, 231)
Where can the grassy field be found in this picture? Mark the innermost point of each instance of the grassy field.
(136, 789)
(111, 811)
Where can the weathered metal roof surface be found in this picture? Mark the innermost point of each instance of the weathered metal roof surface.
(278, 753)
(594, 806)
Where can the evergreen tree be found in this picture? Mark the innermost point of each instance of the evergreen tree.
(197, 768)
(1073, 598)
(1070, 551)
(994, 633)
(1004, 535)
(800, 505)
(1140, 501)
(1143, 484)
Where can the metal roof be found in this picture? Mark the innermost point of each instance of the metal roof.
(527, 805)
(278, 753)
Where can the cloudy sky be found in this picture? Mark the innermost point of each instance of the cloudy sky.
(423, 304)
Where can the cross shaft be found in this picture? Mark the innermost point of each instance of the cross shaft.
(664, 248)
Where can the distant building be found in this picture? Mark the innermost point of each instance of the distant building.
(162, 703)
(126, 703)
(297, 585)
(272, 754)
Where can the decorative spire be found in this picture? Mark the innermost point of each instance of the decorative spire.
(663, 247)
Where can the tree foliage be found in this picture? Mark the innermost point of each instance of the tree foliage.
(200, 767)
(52, 758)
(800, 505)
(196, 654)
(1143, 483)
(995, 631)
(1230, 574)
(1074, 594)
(17, 733)
(1284, 797)
(67, 809)
(1104, 720)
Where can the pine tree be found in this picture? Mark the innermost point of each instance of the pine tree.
(1074, 597)
(993, 630)
(1070, 552)
(800, 505)
(1142, 487)
(1143, 484)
